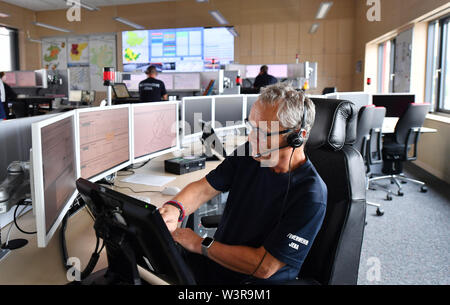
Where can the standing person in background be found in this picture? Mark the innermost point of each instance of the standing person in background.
(152, 89)
(264, 79)
(6, 94)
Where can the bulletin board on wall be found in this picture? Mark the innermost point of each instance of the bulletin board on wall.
(402, 64)
(85, 56)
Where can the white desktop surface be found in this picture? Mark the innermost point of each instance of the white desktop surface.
(389, 124)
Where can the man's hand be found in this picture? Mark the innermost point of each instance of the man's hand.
(170, 215)
(188, 240)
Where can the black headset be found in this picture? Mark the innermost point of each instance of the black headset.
(295, 139)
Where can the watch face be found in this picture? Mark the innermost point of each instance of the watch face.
(207, 242)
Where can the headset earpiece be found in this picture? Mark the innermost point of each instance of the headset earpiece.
(295, 139)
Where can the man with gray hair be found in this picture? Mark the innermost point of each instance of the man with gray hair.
(274, 210)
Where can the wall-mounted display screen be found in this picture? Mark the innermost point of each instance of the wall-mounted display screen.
(203, 48)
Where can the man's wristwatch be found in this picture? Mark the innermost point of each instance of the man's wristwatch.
(206, 244)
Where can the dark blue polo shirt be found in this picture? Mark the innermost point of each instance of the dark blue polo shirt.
(254, 205)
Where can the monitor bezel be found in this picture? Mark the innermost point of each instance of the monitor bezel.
(43, 237)
(187, 139)
(161, 152)
(118, 167)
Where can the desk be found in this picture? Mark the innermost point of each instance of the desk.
(32, 265)
(34, 101)
(389, 124)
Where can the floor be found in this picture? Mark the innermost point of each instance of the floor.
(410, 244)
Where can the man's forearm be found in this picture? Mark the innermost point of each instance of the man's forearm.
(195, 194)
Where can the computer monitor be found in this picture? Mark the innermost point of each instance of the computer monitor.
(360, 99)
(54, 172)
(75, 96)
(154, 130)
(120, 90)
(195, 109)
(186, 81)
(278, 71)
(132, 80)
(104, 140)
(25, 79)
(251, 99)
(167, 79)
(395, 103)
(137, 236)
(229, 112)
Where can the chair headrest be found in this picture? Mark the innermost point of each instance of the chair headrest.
(335, 124)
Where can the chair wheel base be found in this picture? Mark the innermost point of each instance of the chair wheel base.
(380, 212)
(400, 193)
(424, 189)
(389, 198)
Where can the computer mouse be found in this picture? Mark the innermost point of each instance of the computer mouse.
(170, 191)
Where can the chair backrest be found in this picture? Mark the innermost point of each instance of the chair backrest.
(364, 125)
(376, 132)
(414, 117)
(335, 254)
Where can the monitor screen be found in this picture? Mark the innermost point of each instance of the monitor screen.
(104, 140)
(251, 99)
(278, 71)
(195, 109)
(208, 48)
(395, 104)
(10, 79)
(229, 112)
(132, 81)
(167, 79)
(55, 172)
(120, 90)
(154, 128)
(25, 79)
(75, 95)
(187, 81)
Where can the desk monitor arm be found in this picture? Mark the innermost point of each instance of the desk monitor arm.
(13, 190)
(213, 147)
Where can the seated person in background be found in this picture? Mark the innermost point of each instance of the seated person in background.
(264, 78)
(7, 94)
(152, 89)
(276, 202)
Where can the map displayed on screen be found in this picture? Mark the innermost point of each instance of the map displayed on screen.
(154, 128)
(211, 47)
(104, 140)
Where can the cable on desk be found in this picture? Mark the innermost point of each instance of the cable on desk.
(126, 171)
(15, 218)
(136, 192)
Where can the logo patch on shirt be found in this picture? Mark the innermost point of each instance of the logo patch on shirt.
(293, 245)
(298, 239)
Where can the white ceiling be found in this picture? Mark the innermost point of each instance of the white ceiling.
(46, 5)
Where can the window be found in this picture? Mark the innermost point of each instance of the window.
(386, 57)
(9, 60)
(438, 65)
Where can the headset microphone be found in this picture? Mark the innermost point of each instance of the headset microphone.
(269, 151)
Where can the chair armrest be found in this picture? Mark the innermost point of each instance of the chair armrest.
(211, 221)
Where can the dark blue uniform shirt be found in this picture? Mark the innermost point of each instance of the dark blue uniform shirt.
(255, 205)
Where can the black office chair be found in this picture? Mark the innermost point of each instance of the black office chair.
(329, 90)
(396, 147)
(364, 127)
(335, 254)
